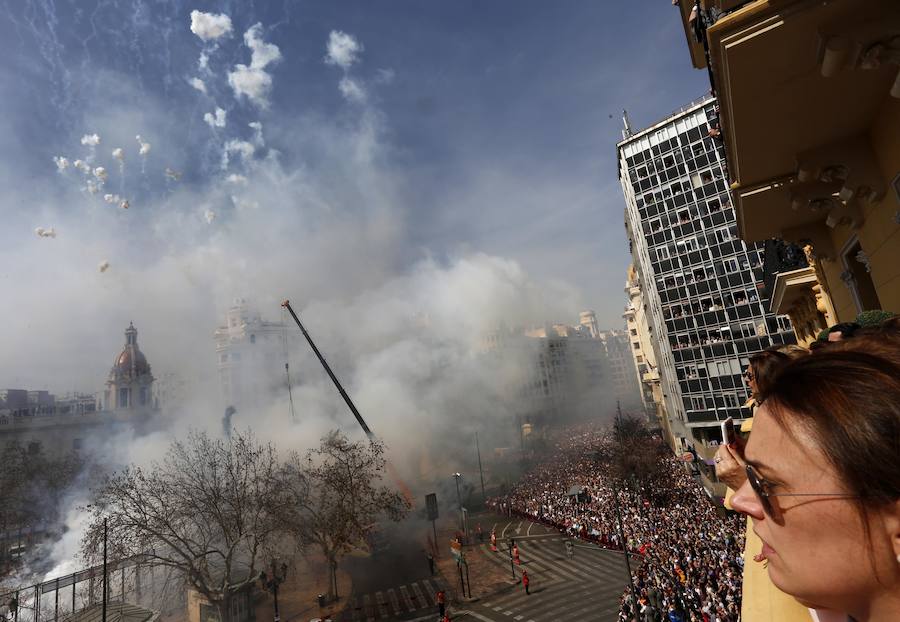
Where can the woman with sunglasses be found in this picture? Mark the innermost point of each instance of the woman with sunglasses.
(823, 479)
(760, 599)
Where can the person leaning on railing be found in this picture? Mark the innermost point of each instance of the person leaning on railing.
(823, 479)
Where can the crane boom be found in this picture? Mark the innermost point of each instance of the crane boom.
(287, 305)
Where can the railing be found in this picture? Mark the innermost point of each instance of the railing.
(780, 256)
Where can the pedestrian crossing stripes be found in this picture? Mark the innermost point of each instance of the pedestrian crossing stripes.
(393, 602)
(586, 585)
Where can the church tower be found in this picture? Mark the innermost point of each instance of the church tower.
(130, 382)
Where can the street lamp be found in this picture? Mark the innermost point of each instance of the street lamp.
(456, 477)
(271, 582)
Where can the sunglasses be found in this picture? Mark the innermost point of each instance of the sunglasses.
(748, 374)
(762, 488)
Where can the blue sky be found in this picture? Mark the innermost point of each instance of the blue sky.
(463, 128)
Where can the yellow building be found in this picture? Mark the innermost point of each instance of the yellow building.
(809, 97)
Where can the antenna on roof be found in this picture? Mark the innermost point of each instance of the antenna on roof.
(626, 131)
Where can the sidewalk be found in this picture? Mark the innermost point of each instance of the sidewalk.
(485, 576)
(297, 596)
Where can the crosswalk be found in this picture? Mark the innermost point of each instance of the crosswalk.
(393, 603)
(585, 586)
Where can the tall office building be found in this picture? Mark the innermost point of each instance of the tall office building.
(701, 284)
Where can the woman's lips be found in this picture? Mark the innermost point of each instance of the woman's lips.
(764, 554)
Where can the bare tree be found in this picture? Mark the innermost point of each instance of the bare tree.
(337, 498)
(32, 488)
(208, 511)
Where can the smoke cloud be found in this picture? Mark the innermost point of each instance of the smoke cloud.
(254, 82)
(342, 49)
(210, 26)
(217, 120)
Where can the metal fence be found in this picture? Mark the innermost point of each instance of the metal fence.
(60, 598)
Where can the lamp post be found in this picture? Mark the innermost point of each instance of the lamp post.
(271, 582)
(456, 477)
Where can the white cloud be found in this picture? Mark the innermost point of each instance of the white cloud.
(210, 26)
(262, 53)
(203, 61)
(352, 90)
(241, 147)
(45, 233)
(254, 82)
(343, 49)
(256, 126)
(385, 76)
(234, 178)
(90, 140)
(215, 121)
(198, 84)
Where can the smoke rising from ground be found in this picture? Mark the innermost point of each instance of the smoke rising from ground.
(283, 204)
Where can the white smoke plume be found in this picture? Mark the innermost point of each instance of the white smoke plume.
(256, 126)
(253, 82)
(217, 120)
(172, 174)
(45, 233)
(351, 90)
(209, 215)
(342, 50)
(241, 147)
(82, 166)
(234, 178)
(119, 154)
(101, 174)
(90, 140)
(198, 84)
(112, 199)
(144, 146)
(124, 204)
(61, 163)
(203, 64)
(92, 187)
(210, 26)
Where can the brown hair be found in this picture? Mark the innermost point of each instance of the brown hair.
(765, 366)
(848, 397)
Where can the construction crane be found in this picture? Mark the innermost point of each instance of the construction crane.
(362, 423)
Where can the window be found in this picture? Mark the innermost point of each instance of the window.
(684, 216)
(639, 358)
(730, 400)
(143, 395)
(223, 358)
(655, 225)
(698, 403)
(636, 345)
(252, 338)
(714, 205)
(748, 329)
(724, 235)
(687, 245)
(123, 398)
(634, 331)
(662, 253)
(729, 266)
(77, 444)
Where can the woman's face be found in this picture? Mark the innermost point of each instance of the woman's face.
(816, 545)
(750, 379)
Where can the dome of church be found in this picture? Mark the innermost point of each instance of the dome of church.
(131, 361)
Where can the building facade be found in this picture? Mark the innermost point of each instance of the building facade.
(623, 386)
(701, 286)
(251, 354)
(645, 363)
(824, 172)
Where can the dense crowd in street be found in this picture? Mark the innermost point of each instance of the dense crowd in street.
(686, 562)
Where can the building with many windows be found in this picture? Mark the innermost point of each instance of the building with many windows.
(701, 284)
(823, 172)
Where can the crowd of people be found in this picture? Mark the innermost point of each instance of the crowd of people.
(685, 556)
(819, 480)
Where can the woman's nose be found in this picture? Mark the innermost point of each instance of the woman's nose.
(746, 501)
